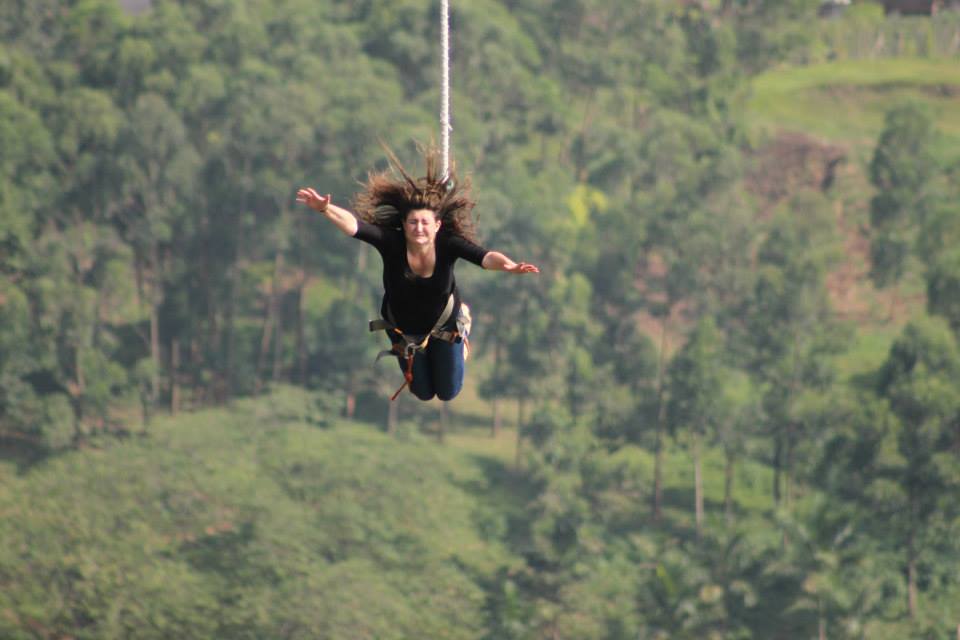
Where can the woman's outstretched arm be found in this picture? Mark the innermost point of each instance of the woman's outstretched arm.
(496, 261)
(341, 218)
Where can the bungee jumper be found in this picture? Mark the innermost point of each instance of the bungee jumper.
(420, 227)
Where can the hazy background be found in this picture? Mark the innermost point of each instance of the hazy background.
(727, 408)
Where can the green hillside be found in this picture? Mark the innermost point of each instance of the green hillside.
(266, 520)
(844, 102)
(250, 522)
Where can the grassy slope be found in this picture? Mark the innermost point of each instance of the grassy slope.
(246, 519)
(249, 522)
(246, 522)
(844, 102)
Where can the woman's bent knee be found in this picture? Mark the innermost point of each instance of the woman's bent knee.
(449, 392)
(422, 391)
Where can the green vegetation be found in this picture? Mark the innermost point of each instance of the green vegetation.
(250, 523)
(727, 408)
(845, 101)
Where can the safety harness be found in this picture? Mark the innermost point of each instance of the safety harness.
(408, 346)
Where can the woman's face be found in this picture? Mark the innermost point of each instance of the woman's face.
(420, 227)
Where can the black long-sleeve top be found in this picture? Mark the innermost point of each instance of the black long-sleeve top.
(417, 302)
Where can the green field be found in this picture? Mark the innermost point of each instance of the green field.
(844, 102)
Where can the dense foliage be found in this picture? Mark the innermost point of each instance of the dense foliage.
(220, 528)
(152, 259)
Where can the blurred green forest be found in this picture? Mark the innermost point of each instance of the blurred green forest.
(727, 408)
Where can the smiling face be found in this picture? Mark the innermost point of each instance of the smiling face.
(420, 228)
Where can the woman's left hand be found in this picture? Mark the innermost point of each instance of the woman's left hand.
(497, 261)
(523, 267)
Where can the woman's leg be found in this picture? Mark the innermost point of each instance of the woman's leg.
(422, 385)
(447, 368)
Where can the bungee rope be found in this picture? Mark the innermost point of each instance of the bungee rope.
(407, 348)
(445, 127)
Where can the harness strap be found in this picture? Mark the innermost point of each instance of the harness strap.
(408, 347)
(389, 324)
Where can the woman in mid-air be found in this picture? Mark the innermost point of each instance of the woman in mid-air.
(420, 227)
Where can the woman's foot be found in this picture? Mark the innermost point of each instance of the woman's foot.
(464, 323)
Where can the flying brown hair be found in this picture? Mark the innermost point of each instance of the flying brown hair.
(387, 197)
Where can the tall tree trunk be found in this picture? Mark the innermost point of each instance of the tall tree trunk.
(912, 570)
(77, 396)
(497, 347)
(79, 383)
(580, 159)
(174, 376)
(301, 288)
(777, 464)
(778, 481)
(224, 390)
(521, 404)
(195, 388)
(155, 350)
(145, 401)
(276, 311)
(146, 410)
(199, 358)
(661, 419)
(266, 335)
(697, 484)
(728, 475)
(788, 470)
(301, 338)
(214, 346)
(518, 455)
(155, 322)
(228, 374)
(823, 621)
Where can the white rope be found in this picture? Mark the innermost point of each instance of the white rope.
(445, 127)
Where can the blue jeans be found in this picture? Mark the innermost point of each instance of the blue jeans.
(437, 371)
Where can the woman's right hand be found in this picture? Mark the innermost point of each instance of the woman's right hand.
(314, 200)
(341, 218)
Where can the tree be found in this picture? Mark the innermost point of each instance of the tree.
(789, 328)
(687, 165)
(740, 413)
(159, 168)
(26, 167)
(902, 169)
(695, 391)
(918, 380)
(943, 288)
